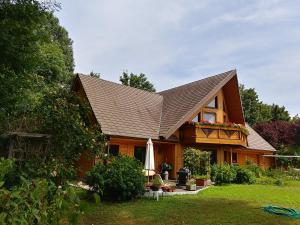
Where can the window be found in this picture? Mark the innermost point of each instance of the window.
(113, 150)
(210, 117)
(213, 103)
(140, 153)
(225, 156)
(213, 156)
(228, 157)
(234, 157)
(196, 119)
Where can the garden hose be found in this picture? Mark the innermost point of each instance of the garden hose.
(282, 211)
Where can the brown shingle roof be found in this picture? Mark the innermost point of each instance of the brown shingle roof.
(131, 112)
(123, 110)
(256, 142)
(182, 102)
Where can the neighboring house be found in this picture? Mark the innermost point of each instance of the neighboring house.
(206, 114)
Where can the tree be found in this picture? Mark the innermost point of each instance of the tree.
(66, 117)
(94, 74)
(137, 81)
(296, 130)
(36, 69)
(250, 103)
(36, 55)
(256, 111)
(279, 113)
(278, 133)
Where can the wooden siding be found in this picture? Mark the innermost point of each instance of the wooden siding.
(220, 111)
(163, 152)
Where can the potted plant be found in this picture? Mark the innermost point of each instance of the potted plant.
(156, 183)
(191, 185)
(165, 170)
(201, 180)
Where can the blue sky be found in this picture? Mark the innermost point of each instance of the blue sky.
(175, 42)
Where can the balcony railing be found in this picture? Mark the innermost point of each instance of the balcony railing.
(214, 134)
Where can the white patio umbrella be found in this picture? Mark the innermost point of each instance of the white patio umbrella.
(149, 161)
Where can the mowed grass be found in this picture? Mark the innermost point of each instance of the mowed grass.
(232, 204)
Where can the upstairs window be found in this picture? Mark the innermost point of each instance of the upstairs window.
(210, 117)
(196, 119)
(213, 103)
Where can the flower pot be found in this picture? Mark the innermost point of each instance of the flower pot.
(201, 182)
(155, 188)
(191, 187)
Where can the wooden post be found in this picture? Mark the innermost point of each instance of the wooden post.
(230, 156)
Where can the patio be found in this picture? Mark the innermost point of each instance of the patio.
(178, 190)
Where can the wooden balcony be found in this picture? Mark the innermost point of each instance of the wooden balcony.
(213, 134)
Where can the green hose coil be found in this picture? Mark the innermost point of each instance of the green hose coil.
(282, 211)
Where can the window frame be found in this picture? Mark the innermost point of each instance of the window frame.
(212, 113)
(215, 99)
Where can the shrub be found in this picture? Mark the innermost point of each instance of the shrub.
(95, 178)
(120, 180)
(197, 161)
(222, 174)
(265, 180)
(279, 182)
(254, 168)
(34, 201)
(244, 176)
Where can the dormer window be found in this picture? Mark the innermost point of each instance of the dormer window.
(213, 103)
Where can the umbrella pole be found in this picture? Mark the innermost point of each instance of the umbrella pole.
(148, 177)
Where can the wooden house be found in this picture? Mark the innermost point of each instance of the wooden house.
(206, 114)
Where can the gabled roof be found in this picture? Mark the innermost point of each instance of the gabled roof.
(129, 112)
(256, 142)
(182, 102)
(123, 110)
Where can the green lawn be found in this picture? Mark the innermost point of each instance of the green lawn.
(232, 204)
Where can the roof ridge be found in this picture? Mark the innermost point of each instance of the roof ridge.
(208, 77)
(125, 86)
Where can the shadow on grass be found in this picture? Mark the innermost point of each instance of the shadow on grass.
(182, 210)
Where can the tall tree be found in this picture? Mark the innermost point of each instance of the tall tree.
(250, 103)
(137, 81)
(36, 69)
(279, 113)
(36, 56)
(256, 111)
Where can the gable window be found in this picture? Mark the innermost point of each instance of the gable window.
(140, 153)
(210, 117)
(196, 119)
(213, 103)
(113, 150)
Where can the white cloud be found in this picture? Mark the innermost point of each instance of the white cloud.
(174, 41)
